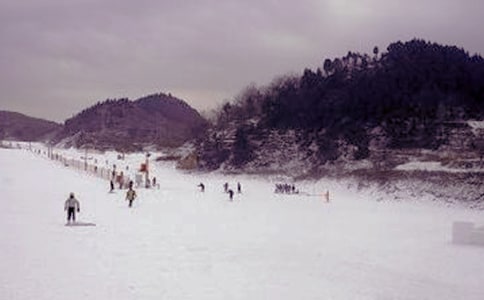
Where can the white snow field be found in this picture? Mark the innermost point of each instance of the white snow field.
(178, 243)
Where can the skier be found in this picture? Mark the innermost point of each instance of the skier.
(113, 173)
(71, 205)
(226, 187)
(112, 186)
(130, 196)
(239, 188)
(231, 195)
(202, 187)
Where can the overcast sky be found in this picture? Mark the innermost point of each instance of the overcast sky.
(58, 57)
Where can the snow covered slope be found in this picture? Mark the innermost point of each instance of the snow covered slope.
(179, 243)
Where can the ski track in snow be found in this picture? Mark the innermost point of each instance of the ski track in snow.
(179, 243)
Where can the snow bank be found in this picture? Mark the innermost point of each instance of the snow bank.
(433, 166)
(467, 233)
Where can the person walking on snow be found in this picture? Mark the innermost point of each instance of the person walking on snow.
(130, 196)
(111, 184)
(121, 180)
(71, 206)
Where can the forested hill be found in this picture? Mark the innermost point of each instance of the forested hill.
(157, 120)
(413, 96)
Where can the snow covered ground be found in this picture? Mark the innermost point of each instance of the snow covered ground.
(433, 166)
(179, 243)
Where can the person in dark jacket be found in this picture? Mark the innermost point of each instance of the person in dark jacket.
(71, 206)
(231, 194)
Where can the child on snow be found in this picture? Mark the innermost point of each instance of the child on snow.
(130, 196)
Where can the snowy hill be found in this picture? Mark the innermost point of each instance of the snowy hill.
(179, 243)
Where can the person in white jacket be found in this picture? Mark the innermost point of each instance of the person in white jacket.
(71, 206)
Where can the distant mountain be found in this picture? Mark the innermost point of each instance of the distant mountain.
(158, 120)
(19, 127)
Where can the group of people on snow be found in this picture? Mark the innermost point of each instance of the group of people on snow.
(124, 181)
(230, 191)
(285, 188)
(71, 205)
(226, 189)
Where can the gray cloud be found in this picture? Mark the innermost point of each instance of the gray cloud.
(58, 57)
